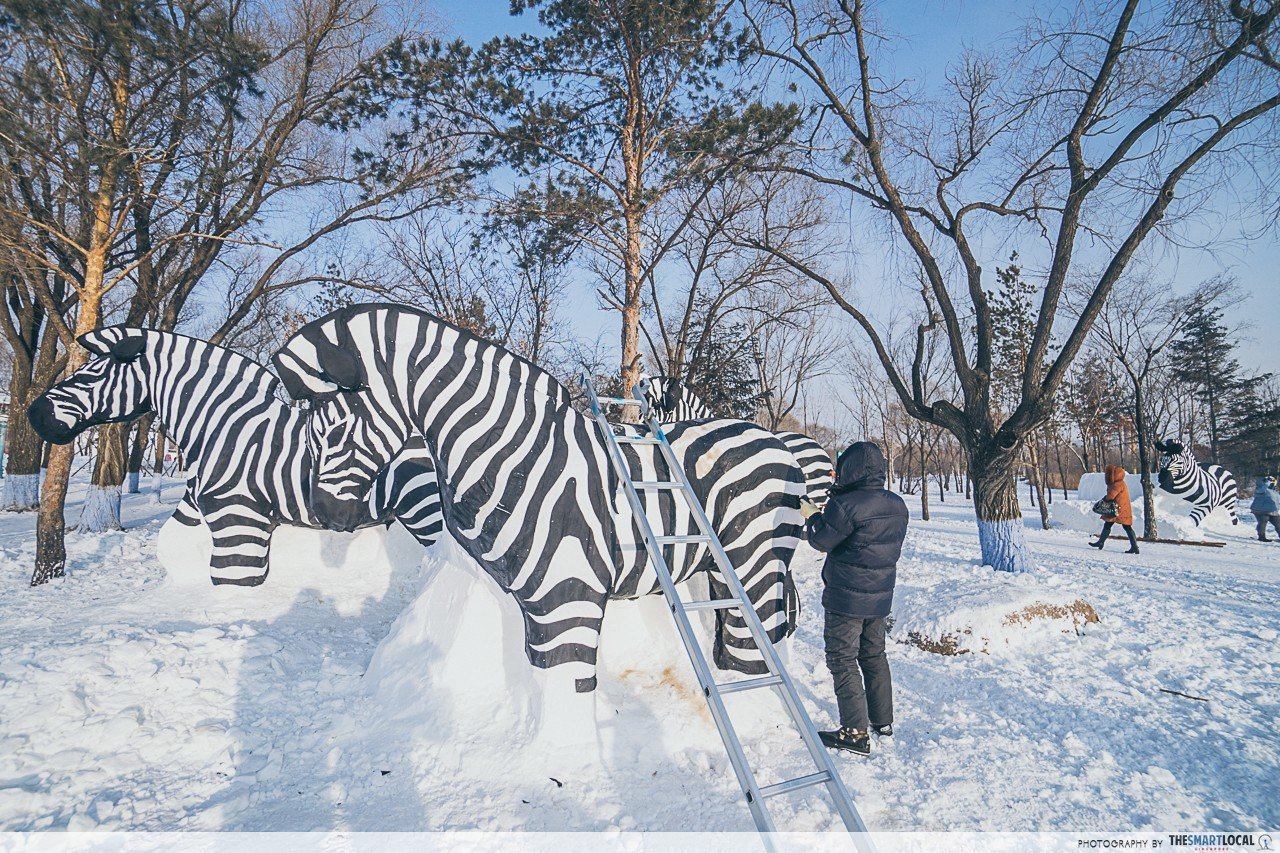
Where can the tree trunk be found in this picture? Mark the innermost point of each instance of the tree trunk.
(23, 450)
(924, 481)
(51, 523)
(1144, 462)
(995, 489)
(101, 510)
(157, 467)
(137, 452)
(632, 290)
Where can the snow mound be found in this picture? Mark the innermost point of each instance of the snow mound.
(300, 556)
(1173, 514)
(452, 672)
(986, 611)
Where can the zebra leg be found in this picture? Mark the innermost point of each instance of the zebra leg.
(562, 641)
(241, 543)
(186, 512)
(1198, 512)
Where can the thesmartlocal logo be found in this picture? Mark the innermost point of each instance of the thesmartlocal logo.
(1205, 841)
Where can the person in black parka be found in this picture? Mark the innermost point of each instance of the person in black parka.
(861, 529)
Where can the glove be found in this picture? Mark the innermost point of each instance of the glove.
(808, 508)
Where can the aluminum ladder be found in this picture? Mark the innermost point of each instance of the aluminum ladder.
(776, 677)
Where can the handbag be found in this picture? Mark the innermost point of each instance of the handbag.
(1106, 508)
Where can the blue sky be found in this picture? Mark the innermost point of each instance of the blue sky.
(931, 34)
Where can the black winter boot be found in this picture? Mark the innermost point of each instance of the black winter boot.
(1133, 549)
(847, 739)
(883, 731)
(1098, 544)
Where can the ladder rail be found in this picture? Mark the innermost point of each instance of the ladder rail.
(826, 774)
(808, 733)
(737, 756)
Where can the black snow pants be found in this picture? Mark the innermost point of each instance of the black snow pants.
(1263, 519)
(1106, 532)
(860, 668)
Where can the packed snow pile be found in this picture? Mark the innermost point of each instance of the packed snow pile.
(1173, 514)
(453, 670)
(299, 555)
(980, 610)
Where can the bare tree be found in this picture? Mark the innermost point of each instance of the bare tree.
(1084, 135)
(153, 136)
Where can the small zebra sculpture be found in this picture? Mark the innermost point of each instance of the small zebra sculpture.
(672, 401)
(1206, 486)
(527, 484)
(246, 448)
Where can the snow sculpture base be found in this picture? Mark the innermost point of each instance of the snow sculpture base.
(453, 672)
(300, 556)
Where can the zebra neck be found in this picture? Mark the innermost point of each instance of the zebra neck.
(486, 406)
(201, 392)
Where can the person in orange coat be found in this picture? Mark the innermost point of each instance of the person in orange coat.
(1118, 491)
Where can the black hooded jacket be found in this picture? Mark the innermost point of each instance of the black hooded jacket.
(861, 530)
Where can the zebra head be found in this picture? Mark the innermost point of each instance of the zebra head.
(355, 427)
(110, 387)
(670, 400)
(1173, 457)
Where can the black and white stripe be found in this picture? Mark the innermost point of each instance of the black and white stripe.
(1206, 486)
(247, 450)
(671, 400)
(528, 488)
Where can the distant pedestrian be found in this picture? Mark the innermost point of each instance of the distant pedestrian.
(1118, 491)
(861, 529)
(1266, 506)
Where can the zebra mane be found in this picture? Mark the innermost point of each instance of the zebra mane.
(251, 370)
(288, 362)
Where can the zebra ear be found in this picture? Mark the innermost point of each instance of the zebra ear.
(340, 366)
(110, 342)
(1161, 446)
(128, 349)
(310, 364)
(670, 394)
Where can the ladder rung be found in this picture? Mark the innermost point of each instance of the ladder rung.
(795, 784)
(620, 401)
(749, 684)
(656, 484)
(636, 439)
(713, 604)
(683, 540)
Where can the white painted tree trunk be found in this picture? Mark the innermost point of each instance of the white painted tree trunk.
(1004, 545)
(157, 487)
(21, 492)
(101, 511)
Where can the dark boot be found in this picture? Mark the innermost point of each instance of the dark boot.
(1098, 544)
(847, 739)
(1133, 549)
(883, 731)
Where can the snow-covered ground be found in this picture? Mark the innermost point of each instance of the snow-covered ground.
(131, 701)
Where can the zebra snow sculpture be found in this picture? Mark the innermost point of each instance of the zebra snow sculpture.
(246, 448)
(1206, 486)
(528, 489)
(671, 400)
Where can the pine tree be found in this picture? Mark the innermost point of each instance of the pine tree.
(1203, 358)
(724, 372)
